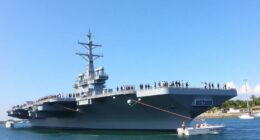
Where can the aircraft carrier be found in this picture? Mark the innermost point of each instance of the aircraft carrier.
(158, 106)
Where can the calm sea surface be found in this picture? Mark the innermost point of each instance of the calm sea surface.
(235, 129)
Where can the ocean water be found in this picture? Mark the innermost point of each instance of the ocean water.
(235, 129)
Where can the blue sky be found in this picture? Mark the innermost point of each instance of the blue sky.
(144, 41)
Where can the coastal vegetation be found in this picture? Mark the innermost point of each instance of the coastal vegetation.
(254, 102)
(239, 104)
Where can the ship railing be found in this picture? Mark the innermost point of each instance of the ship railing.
(203, 88)
(85, 95)
(61, 99)
(122, 92)
(221, 91)
(52, 98)
(127, 91)
(184, 87)
(106, 94)
(19, 106)
(28, 106)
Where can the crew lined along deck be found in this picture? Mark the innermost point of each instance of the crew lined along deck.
(125, 89)
(176, 84)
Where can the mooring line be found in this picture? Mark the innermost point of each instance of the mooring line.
(166, 111)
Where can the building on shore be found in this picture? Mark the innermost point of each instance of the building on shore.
(232, 110)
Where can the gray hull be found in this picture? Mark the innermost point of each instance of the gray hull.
(113, 112)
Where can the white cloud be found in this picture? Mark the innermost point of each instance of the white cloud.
(230, 85)
(244, 89)
(257, 89)
(244, 92)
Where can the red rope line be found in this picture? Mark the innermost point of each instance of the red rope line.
(169, 112)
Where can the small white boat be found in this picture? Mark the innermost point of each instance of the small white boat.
(9, 124)
(201, 129)
(249, 115)
(246, 117)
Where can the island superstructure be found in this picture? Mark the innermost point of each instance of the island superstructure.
(93, 106)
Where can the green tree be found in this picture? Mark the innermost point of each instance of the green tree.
(254, 100)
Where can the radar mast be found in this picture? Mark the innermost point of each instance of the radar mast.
(89, 56)
(92, 80)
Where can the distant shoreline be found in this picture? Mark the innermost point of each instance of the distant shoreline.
(219, 115)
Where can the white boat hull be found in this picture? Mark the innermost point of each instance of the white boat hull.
(246, 117)
(9, 124)
(200, 131)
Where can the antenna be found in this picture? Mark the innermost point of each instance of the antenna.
(247, 104)
(89, 56)
(89, 35)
